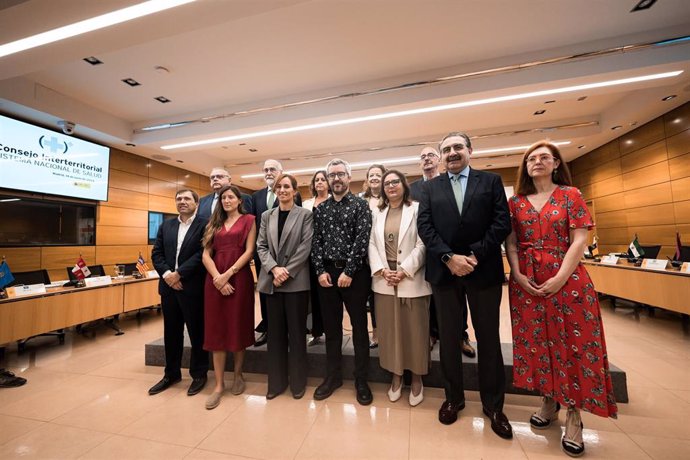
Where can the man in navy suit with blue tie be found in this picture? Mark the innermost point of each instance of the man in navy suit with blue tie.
(262, 201)
(219, 178)
(463, 219)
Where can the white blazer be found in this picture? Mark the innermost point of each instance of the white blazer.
(411, 254)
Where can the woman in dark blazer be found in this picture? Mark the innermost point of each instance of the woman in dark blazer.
(284, 245)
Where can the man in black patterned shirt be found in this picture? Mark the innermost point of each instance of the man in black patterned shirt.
(342, 225)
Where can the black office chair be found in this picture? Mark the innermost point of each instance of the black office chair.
(650, 252)
(32, 277)
(96, 270)
(685, 253)
(129, 268)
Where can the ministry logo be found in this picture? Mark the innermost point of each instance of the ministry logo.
(53, 144)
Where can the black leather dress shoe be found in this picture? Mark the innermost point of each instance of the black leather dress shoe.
(448, 413)
(163, 385)
(364, 396)
(299, 394)
(263, 338)
(499, 423)
(467, 349)
(274, 394)
(327, 388)
(197, 385)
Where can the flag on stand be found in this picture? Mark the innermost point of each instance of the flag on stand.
(594, 248)
(677, 256)
(5, 275)
(635, 248)
(141, 265)
(80, 270)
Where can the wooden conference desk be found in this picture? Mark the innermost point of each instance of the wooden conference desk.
(668, 289)
(26, 316)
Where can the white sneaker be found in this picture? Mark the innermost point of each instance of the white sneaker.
(416, 400)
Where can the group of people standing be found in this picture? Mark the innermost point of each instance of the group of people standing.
(399, 247)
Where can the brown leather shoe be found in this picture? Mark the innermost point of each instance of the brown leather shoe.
(467, 349)
(448, 413)
(499, 423)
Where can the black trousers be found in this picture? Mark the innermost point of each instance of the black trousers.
(316, 319)
(355, 300)
(484, 305)
(287, 349)
(179, 309)
(433, 320)
(263, 324)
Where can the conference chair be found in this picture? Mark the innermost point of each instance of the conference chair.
(130, 268)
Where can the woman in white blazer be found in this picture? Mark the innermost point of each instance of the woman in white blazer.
(396, 257)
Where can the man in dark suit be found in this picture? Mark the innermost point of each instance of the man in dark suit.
(219, 178)
(176, 257)
(263, 200)
(463, 219)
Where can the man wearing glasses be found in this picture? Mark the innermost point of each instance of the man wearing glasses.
(342, 226)
(262, 201)
(219, 178)
(463, 219)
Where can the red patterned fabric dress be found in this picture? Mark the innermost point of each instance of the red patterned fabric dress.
(558, 343)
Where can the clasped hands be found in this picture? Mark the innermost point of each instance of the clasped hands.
(173, 280)
(343, 280)
(547, 289)
(393, 277)
(222, 283)
(280, 275)
(460, 265)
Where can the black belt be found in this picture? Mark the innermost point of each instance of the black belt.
(335, 263)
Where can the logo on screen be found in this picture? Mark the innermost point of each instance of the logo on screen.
(53, 144)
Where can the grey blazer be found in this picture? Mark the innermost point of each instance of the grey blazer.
(291, 252)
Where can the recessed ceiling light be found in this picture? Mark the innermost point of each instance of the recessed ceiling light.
(242, 143)
(668, 98)
(180, 161)
(252, 150)
(89, 25)
(488, 166)
(581, 98)
(131, 82)
(643, 5)
(549, 102)
(162, 99)
(677, 120)
(93, 60)
(129, 144)
(540, 112)
(616, 127)
(430, 109)
(633, 123)
(581, 146)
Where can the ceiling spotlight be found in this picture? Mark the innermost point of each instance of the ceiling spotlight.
(549, 102)
(643, 5)
(581, 98)
(540, 112)
(131, 82)
(677, 120)
(129, 144)
(252, 150)
(616, 127)
(93, 60)
(180, 161)
(161, 70)
(581, 146)
(162, 99)
(629, 141)
(668, 98)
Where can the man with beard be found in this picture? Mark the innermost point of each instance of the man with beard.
(463, 219)
(429, 161)
(263, 200)
(342, 226)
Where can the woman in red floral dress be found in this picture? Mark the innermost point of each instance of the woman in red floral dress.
(558, 337)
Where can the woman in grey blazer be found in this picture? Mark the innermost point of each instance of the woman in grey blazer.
(283, 246)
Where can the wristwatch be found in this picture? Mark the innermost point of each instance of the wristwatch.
(445, 258)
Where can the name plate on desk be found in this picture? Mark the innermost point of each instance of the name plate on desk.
(685, 268)
(152, 274)
(28, 289)
(654, 264)
(98, 281)
(609, 260)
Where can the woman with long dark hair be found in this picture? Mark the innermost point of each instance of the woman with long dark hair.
(559, 348)
(229, 291)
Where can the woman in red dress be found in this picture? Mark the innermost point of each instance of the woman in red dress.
(558, 338)
(229, 291)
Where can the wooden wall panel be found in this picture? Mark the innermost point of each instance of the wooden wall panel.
(111, 255)
(646, 156)
(162, 204)
(642, 137)
(109, 235)
(164, 172)
(186, 179)
(607, 170)
(681, 189)
(645, 177)
(605, 153)
(128, 181)
(647, 196)
(682, 212)
(679, 167)
(679, 144)
(607, 187)
(613, 235)
(127, 199)
(654, 234)
(613, 202)
(613, 219)
(661, 214)
(162, 188)
(121, 217)
(22, 259)
(127, 162)
(66, 256)
(677, 120)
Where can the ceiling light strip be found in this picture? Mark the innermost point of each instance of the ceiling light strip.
(89, 25)
(435, 81)
(435, 108)
(479, 153)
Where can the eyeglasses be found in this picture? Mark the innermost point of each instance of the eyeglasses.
(218, 176)
(542, 159)
(456, 147)
(339, 175)
(392, 183)
(424, 156)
